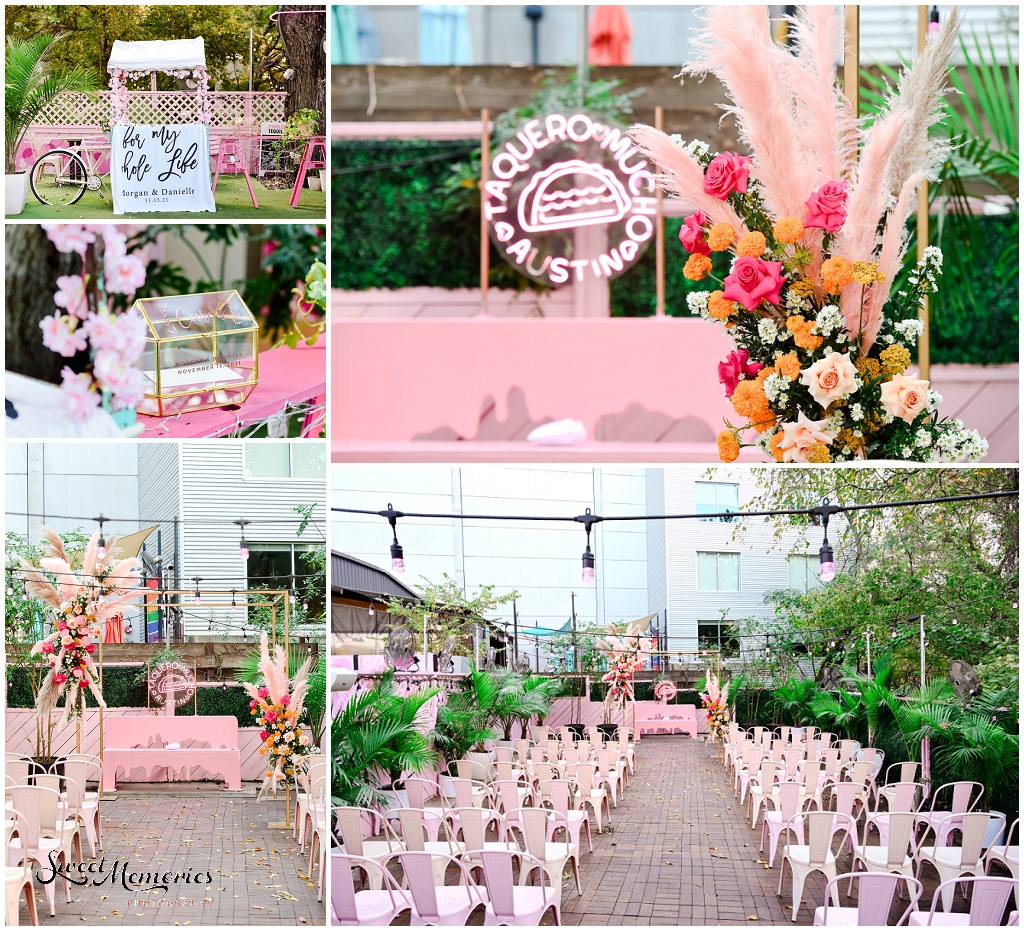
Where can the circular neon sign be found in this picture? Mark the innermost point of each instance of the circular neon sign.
(172, 682)
(570, 198)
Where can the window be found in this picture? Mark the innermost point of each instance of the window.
(803, 573)
(718, 572)
(716, 498)
(718, 635)
(285, 460)
(282, 566)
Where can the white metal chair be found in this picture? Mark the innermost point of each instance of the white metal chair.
(553, 856)
(964, 796)
(989, 895)
(892, 857)
(814, 856)
(1008, 855)
(874, 901)
(512, 904)
(374, 907)
(953, 862)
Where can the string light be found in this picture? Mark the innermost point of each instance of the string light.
(589, 575)
(198, 597)
(101, 547)
(234, 606)
(397, 554)
(243, 547)
(370, 610)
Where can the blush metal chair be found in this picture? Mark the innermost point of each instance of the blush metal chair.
(433, 904)
(963, 797)
(952, 862)
(1008, 855)
(814, 856)
(989, 895)
(874, 901)
(509, 904)
(894, 856)
(370, 908)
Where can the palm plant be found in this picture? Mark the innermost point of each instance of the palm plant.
(842, 712)
(538, 693)
(377, 734)
(795, 699)
(31, 84)
(880, 703)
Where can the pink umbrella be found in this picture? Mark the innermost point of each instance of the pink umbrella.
(610, 35)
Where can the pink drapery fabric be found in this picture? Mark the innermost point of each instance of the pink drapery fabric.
(610, 35)
(113, 631)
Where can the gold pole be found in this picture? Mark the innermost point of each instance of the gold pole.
(100, 667)
(195, 690)
(485, 239)
(273, 623)
(288, 783)
(659, 229)
(851, 58)
(147, 685)
(924, 362)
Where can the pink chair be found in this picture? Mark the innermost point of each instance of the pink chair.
(355, 827)
(418, 790)
(783, 813)
(951, 862)
(18, 879)
(444, 905)
(989, 895)
(471, 793)
(31, 846)
(1007, 854)
(511, 904)
(553, 856)
(762, 786)
(965, 797)
(367, 907)
(905, 797)
(591, 792)
(611, 773)
(893, 856)
(815, 856)
(560, 796)
(76, 776)
(874, 901)
(845, 799)
(513, 793)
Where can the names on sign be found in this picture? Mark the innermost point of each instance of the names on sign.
(161, 168)
(560, 174)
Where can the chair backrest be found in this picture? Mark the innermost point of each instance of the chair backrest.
(471, 769)
(907, 772)
(974, 827)
(820, 827)
(413, 827)
(904, 796)
(812, 775)
(503, 770)
(874, 896)
(585, 777)
(789, 798)
(784, 732)
(964, 798)
(845, 750)
(584, 748)
(533, 824)
(464, 791)
(540, 732)
(419, 790)
(989, 895)
(605, 760)
(473, 823)
(418, 868)
(827, 739)
(565, 733)
(570, 756)
(343, 890)
(860, 772)
(497, 866)
(1009, 839)
(793, 757)
(351, 821)
(777, 751)
(553, 749)
(831, 761)
(543, 772)
(813, 748)
(901, 831)
(503, 754)
(522, 750)
(844, 795)
(18, 768)
(508, 794)
(33, 803)
(766, 773)
(559, 793)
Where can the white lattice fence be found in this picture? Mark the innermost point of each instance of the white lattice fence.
(150, 108)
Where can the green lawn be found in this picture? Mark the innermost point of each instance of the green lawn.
(232, 197)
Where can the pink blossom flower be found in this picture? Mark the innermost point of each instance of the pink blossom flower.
(59, 336)
(263, 693)
(77, 673)
(90, 648)
(691, 235)
(736, 365)
(727, 172)
(83, 683)
(286, 700)
(799, 437)
(753, 280)
(125, 274)
(47, 646)
(271, 716)
(263, 735)
(69, 237)
(79, 399)
(252, 704)
(71, 295)
(62, 625)
(131, 391)
(826, 207)
(114, 243)
(60, 678)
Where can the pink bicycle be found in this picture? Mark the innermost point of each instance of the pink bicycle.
(61, 176)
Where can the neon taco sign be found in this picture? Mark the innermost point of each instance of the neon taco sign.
(561, 174)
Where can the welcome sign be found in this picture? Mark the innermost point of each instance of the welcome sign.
(561, 174)
(161, 168)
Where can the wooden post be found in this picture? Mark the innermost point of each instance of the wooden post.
(659, 229)
(924, 362)
(485, 239)
(195, 690)
(851, 58)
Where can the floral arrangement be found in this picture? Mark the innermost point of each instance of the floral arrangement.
(119, 92)
(713, 702)
(277, 705)
(620, 685)
(814, 222)
(82, 601)
(85, 318)
(665, 690)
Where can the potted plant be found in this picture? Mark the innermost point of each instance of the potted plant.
(298, 130)
(31, 85)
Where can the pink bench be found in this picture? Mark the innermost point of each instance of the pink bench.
(208, 742)
(655, 718)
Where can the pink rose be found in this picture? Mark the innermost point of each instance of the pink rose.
(252, 704)
(47, 646)
(60, 678)
(59, 337)
(692, 236)
(83, 683)
(271, 716)
(71, 295)
(826, 207)
(753, 280)
(727, 172)
(90, 648)
(735, 366)
(263, 735)
(905, 397)
(286, 700)
(830, 378)
(263, 693)
(62, 625)
(799, 437)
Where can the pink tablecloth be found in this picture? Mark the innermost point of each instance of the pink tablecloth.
(287, 376)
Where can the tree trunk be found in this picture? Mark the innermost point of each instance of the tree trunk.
(31, 271)
(303, 35)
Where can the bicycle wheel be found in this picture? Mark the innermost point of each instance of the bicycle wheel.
(59, 178)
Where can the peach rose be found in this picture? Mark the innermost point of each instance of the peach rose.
(799, 437)
(830, 378)
(905, 397)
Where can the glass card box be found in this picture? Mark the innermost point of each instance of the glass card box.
(201, 352)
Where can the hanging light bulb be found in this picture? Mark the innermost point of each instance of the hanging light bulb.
(955, 621)
(10, 593)
(826, 560)
(198, 597)
(370, 610)
(223, 686)
(234, 606)
(128, 627)
(209, 625)
(305, 605)
(934, 26)
(832, 644)
(101, 546)
(245, 634)
(589, 574)
(243, 547)
(397, 554)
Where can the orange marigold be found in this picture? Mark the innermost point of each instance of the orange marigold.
(720, 237)
(763, 374)
(802, 335)
(764, 421)
(802, 287)
(774, 445)
(788, 229)
(788, 365)
(751, 244)
(749, 399)
(836, 274)
(719, 307)
(697, 266)
(728, 446)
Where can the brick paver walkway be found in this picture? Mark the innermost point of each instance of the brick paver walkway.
(259, 875)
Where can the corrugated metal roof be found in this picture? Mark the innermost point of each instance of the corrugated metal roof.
(354, 575)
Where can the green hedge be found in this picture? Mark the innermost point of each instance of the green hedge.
(121, 690)
(417, 223)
